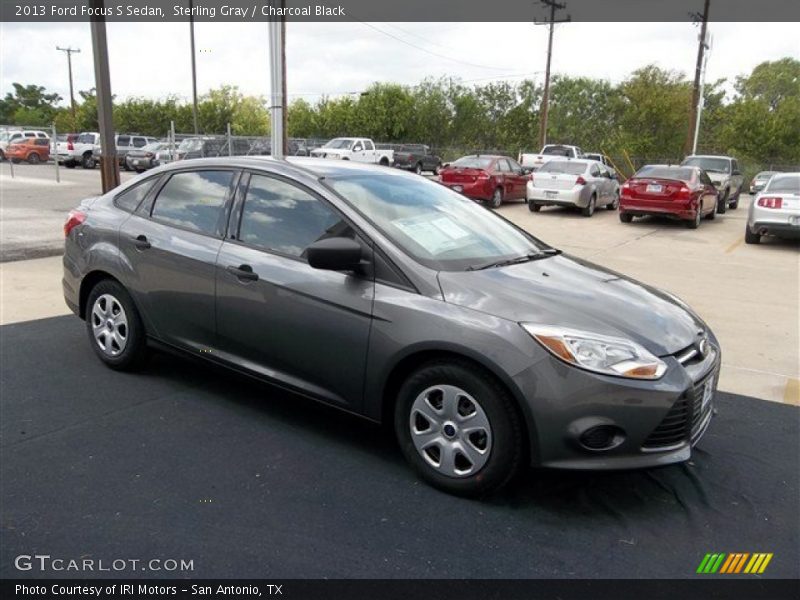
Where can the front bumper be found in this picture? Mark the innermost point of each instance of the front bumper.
(658, 422)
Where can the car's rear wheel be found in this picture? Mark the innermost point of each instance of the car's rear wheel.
(735, 202)
(436, 169)
(588, 210)
(712, 214)
(458, 426)
(114, 326)
(87, 161)
(533, 207)
(16, 161)
(497, 198)
(750, 237)
(70, 164)
(625, 217)
(33, 158)
(418, 168)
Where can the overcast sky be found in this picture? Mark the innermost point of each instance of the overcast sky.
(153, 60)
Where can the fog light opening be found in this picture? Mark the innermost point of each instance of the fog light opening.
(602, 437)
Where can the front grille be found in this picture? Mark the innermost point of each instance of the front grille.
(685, 421)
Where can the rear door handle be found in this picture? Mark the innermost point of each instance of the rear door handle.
(141, 243)
(243, 272)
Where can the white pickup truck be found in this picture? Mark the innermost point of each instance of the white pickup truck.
(72, 151)
(548, 153)
(355, 149)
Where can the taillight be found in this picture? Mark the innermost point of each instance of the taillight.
(74, 219)
(684, 193)
(580, 181)
(483, 175)
(70, 146)
(770, 202)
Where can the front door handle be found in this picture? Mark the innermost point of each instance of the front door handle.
(141, 243)
(243, 272)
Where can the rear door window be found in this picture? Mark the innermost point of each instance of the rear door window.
(123, 141)
(130, 199)
(194, 200)
(139, 142)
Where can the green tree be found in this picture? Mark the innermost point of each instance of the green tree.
(28, 105)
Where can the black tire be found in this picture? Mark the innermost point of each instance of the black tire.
(16, 161)
(735, 203)
(588, 211)
(88, 161)
(70, 164)
(695, 223)
(418, 168)
(712, 215)
(507, 452)
(750, 237)
(615, 203)
(126, 166)
(34, 159)
(134, 352)
(140, 170)
(497, 198)
(436, 169)
(722, 203)
(533, 207)
(625, 217)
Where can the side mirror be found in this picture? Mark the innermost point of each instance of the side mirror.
(334, 254)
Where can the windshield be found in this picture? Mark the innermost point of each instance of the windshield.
(155, 146)
(717, 165)
(562, 166)
(557, 151)
(339, 143)
(473, 162)
(4, 136)
(190, 145)
(666, 173)
(436, 226)
(784, 183)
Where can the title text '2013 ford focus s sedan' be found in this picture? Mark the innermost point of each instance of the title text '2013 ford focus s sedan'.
(397, 299)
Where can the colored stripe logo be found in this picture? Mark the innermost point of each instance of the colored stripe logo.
(733, 563)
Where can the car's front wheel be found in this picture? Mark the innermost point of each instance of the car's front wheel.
(457, 425)
(722, 203)
(114, 326)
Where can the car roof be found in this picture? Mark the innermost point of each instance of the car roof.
(316, 167)
(709, 156)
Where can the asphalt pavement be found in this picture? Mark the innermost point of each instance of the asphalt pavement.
(183, 461)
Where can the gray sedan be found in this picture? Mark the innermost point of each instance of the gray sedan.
(584, 184)
(394, 298)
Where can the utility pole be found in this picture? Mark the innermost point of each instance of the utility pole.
(69, 52)
(553, 6)
(109, 166)
(194, 67)
(277, 67)
(701, 48)
(700, 98)
(284, 95)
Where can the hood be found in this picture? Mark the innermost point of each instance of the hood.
(329, 152)
(569, 292)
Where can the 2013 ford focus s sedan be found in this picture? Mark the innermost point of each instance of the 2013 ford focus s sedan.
(394, 298)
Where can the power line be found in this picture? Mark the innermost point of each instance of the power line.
(431, 52)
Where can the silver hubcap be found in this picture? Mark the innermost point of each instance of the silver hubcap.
(109, 325)
(450, 431)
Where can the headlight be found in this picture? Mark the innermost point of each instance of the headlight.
(598, 353)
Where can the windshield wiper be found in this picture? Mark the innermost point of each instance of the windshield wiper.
(516, 260)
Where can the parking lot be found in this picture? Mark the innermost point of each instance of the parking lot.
(748, 294)
(183, 461)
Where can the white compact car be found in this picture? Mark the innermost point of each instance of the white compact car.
(775, 210)
(584, 184)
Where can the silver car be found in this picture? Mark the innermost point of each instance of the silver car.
(776, 210)
(760, 180)
(584, 184)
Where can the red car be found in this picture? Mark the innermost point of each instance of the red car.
(486, 177)
(33, 150)
(684, 193)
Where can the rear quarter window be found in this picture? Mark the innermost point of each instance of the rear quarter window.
(130, 199)
(194, 200)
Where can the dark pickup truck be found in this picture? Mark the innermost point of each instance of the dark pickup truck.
(417, 158)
